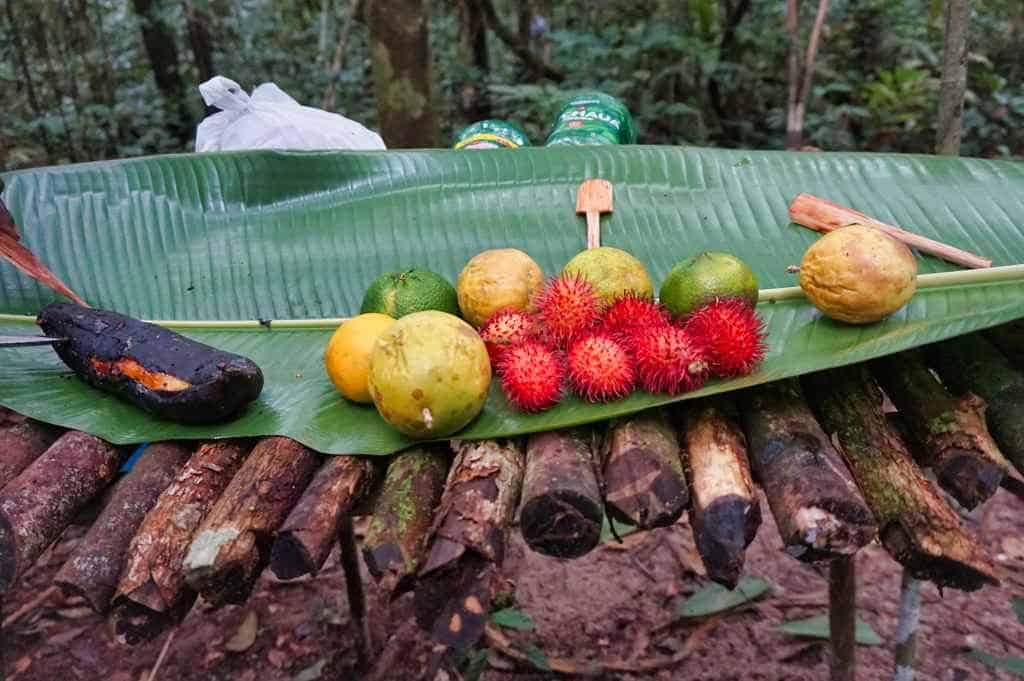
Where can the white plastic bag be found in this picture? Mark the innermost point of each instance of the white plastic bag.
(270, 119)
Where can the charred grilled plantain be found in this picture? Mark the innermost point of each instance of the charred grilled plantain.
(161, 371)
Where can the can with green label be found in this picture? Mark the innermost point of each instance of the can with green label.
(593, 118)
(491, 134)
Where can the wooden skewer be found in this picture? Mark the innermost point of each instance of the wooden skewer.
(824, 216)
(593, 198)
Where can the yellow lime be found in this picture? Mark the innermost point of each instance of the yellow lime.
(429, 374)
(497, 279)
(612, 272)
(347, 357)
(704, 277)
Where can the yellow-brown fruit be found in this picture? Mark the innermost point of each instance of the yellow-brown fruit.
(858, 274)
(495, 280)
(429, 374)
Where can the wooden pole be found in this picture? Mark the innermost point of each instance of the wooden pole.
(232, 545)
(917, 528)
(453, 589)
(354, 590)
(561, 511)
(644, 482)
(842, 618)
(152, 594)
(311, 529)
(43, 499)
(908, 622)
(819, 512)
(972, 364)
(396, 540)
(93, 569)
(949, 433)
(726, 512)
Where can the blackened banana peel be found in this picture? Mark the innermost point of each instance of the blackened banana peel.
(168, 375)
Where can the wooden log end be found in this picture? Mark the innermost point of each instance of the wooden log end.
(454, 604)
(723, 532)
(134, 622)
(218, 580)
(561, 523)
(829, 530)
(290, 557)
(967, 573)
(969, 479)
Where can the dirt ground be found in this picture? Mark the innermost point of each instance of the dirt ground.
(609, 610)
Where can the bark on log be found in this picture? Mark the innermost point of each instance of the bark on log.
(38, 504)
(479, 502)
(949, 433)
(915, 526)
(726, 512)
(152, 593)
(972, 364)
(561, 509)
(644, 483)
(396, 540)
(232, 545)
(818, 509)
(22, 440)
(93, 569)
(311, 529)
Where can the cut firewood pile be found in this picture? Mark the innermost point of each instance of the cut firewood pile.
(890, 450)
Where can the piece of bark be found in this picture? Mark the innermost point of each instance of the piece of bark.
(726, 512)
(232, 545)
(561, 510)
(396, 540)
(93, 569)
(972, 364)
(819, 512)
(644, 482)
(470, 529)
(41, 501)
(311, 529)
(915, 526)
(22, 440)
(949, 433)
(152, 593)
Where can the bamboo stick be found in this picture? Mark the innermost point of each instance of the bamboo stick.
(824, 216)
(916, 527)
(819, 512)
(726, 512)
(949, 433)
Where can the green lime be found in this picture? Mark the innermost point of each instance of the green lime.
(397, 294)
(703, 278)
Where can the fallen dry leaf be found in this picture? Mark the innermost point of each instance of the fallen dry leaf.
(23, 663)
(245, 635)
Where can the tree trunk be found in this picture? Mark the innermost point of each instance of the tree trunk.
(476, 104)
(158, 39)
(954, 78)
(197, 21)
(13, 26)
(402, 73)
(800, 71)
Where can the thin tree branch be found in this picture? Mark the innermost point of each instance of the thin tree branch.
(812, 50)
(512, 42)
(331, 91)
(954, 78)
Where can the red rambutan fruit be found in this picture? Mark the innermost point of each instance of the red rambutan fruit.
(631, 313)
(600, 368)
(669, 359)
(532, 375)
(567, 307)
(504, 329)
(733, 334)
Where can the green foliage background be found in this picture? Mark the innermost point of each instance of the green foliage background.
(875, 87)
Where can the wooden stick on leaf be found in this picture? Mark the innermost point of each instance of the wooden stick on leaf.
(824, 216)
(593, 198)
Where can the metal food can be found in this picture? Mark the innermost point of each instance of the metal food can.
(492, 133)
(593, 118)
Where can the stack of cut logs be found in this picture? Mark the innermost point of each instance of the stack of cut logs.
(840, 466)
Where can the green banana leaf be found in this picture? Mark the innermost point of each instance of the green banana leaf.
(276, 235)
